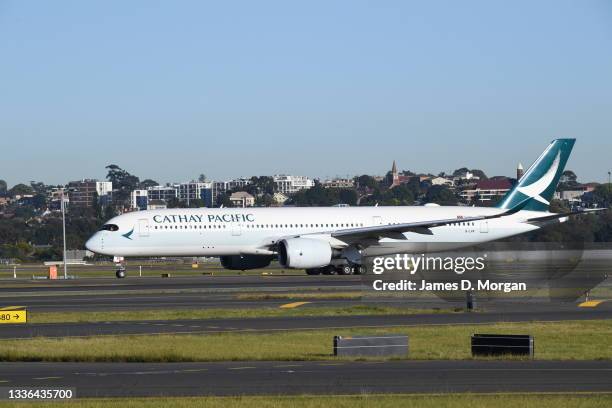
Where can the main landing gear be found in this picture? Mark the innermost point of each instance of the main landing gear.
(346, 269)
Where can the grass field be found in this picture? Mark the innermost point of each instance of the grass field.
(350, 401)
(571, 340)
(180, 314)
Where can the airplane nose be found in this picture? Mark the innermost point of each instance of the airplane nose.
(93, 244)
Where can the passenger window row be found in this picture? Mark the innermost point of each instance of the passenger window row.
(263, 226)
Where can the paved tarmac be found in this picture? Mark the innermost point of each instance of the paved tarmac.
(102, 294)
(235, 282)
(321, 377)
(253, 325)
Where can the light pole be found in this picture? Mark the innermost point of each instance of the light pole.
(64, 234)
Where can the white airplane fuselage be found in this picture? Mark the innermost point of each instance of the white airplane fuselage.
(250, 231)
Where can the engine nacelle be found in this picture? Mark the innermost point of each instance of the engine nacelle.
(245, 262)
(304, 253)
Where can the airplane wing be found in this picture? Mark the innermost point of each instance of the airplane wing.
(563, 215)
(395, 231)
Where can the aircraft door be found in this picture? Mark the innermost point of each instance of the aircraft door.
(143, 227)
(376, 220)
(236, 229)
(484, 226)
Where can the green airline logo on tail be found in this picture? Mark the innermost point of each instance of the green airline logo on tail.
(539, 182)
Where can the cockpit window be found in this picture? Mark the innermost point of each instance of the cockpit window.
(109, 227)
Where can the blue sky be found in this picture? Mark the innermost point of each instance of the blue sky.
(169, 90)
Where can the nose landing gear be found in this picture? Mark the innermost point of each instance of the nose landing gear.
(120, 265)
(120, 273)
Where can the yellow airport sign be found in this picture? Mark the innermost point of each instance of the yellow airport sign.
(13, 315)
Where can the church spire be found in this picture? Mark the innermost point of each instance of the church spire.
(395, 181)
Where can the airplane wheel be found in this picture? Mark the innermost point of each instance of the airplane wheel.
(345, 270)
(359, 270)
(329, 270)
(315, 271)
(120, 273)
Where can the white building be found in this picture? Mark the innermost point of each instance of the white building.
(156, 205)
(339, 183)
(487, 190)
(195, 190)
(104, 187)
(279, 198)
(162, 193)
(441, 181)
(466, 176)
(140, 199)
(574, 195)
(292, 184)
(221, 187)
(238, 183)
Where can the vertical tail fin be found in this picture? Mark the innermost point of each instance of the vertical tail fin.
(539, 182)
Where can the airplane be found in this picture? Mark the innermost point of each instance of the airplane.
(330, 240)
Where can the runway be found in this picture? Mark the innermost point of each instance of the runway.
(322, 377)
(236, 282)
(162, 293)
(254, 325)
(104, 294)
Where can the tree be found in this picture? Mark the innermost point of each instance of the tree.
(460, 172)
(3, 187)
(440, 195)
(366, 181)
(109, 212)
(39, 201)
(38, 187)
(604, 231)
(399, 195)
(144, 184)
(576, 230)
(602, 195)
(25, 211)
(260, 185)
(479, 173)
(324, 197)
(265, 200)
(123, 183)
(20, 189)
(476, 172)
(223, 200)
(558, 207)
(415, 187)
(197, 203)
(173, 202)
(568, 181)
(568, 176)
(202, 178)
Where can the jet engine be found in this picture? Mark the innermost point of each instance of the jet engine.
(304, 253)
(244, 262)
